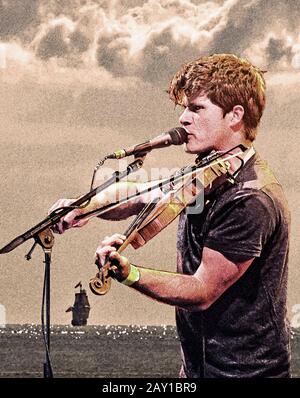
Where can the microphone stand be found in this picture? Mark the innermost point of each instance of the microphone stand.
(43, 236)
(46, 240)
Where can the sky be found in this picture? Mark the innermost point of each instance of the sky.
(78, 82)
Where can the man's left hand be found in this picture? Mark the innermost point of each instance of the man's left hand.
(121, 266)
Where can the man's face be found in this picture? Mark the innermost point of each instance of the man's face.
(206, 127)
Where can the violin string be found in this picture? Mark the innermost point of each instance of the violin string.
(173, 178)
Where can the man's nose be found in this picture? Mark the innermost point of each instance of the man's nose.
(185, 118)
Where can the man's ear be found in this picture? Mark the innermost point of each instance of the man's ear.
(236, 117)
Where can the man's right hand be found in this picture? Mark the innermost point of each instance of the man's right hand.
(67, 221)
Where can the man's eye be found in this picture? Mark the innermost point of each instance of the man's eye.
(196, 108)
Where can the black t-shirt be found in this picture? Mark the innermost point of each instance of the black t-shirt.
(245, 332)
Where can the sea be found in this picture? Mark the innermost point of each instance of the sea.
(111, 351)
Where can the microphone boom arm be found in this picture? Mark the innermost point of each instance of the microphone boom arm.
(54, 219)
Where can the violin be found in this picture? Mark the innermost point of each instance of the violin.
(181, 191)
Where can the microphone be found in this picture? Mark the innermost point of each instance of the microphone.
(176, 136)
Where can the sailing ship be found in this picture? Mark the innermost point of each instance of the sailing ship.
(81, 307)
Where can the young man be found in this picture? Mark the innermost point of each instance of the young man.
(231, 280)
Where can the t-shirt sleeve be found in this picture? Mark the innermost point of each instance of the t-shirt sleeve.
(239, 228)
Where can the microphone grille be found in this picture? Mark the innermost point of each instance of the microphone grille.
(178, 136)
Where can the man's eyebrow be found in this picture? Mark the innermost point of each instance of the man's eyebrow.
(195, 104)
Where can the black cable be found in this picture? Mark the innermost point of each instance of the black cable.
(100, 163)
(48, 357)
(83, 205)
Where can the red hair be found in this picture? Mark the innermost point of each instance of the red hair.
(227, 81)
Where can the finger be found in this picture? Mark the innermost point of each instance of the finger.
(104, 250)
(70, 216)
(63, 224)
(121, 236)
(80, 223)
(115, 244)
(115, 256)
(56, 205)
(57, 228)
(102, 253)
(119, 260)
(101, 249)
(54, 228)
(60, 203)
(116, 238)
(115, 259)
(121, 265)
(61, 227)
(106, 241)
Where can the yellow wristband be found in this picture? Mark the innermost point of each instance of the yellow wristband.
(134, 276)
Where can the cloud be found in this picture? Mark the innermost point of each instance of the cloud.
(121, 36)
(117, 56)
(53, 44)
(162, 55)
(16, 16)
(276, 50)
(147, 40)
(12, 54)
(151, 40)
(112, 53)
(262, 30)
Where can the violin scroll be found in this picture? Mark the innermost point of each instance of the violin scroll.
(101, 283)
